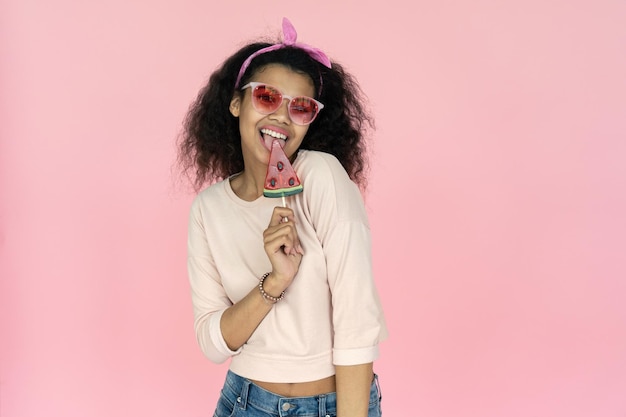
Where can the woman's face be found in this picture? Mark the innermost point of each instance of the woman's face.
(258, 130)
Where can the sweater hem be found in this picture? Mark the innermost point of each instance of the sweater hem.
(286, 370)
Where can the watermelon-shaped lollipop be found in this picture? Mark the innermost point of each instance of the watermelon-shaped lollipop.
(281, 179)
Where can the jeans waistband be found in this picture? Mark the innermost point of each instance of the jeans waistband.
(250, 394)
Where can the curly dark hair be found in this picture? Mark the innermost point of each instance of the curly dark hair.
(210, 144)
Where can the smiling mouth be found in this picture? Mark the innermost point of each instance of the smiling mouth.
(273, 134)
(268, 136)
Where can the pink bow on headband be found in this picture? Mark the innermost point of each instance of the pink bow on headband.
(289, 39)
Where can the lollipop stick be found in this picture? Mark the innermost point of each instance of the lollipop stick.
(285, 220)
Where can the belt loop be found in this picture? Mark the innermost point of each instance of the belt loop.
(321, 399)
(380, 394)
(243, 398)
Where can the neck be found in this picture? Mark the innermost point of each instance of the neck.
(247, 185)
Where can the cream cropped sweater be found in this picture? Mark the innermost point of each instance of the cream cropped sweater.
(331, 313)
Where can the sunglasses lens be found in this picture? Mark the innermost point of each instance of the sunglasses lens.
(302, 110)
(266, 99)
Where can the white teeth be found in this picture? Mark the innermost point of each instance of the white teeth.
(274, 134)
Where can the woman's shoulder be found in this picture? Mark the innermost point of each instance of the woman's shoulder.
(327, 186)
(322, 173)
(316, 161)
(209, 194)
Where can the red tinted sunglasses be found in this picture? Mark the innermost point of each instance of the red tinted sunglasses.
(267, 99)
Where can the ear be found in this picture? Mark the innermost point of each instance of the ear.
(235, 104)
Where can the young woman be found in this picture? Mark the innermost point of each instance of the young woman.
(286, 292)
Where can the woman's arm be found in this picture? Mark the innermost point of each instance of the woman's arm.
(240, 320)
(353, 389)
(340, 220)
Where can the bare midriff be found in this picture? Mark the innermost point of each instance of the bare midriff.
(300, 389)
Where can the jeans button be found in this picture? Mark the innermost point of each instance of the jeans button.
(286, 406)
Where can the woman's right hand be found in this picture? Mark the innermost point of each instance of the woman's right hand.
(283, 249)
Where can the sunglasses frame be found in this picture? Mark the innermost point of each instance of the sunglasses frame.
(253, 85)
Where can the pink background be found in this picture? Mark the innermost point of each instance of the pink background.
(497, 200)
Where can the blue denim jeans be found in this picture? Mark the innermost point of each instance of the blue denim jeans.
(242, 398)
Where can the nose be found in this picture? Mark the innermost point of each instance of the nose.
(282, 112)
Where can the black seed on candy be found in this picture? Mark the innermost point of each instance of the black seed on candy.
(273, 182)
(291, 181)
(279, 165)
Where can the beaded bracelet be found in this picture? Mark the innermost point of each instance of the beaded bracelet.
(265, 295)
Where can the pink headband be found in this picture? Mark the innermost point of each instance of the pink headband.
(289, 39)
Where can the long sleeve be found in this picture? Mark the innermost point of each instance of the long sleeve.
(208, 295)
(341, 223)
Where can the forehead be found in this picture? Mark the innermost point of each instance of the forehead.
(285, 79)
